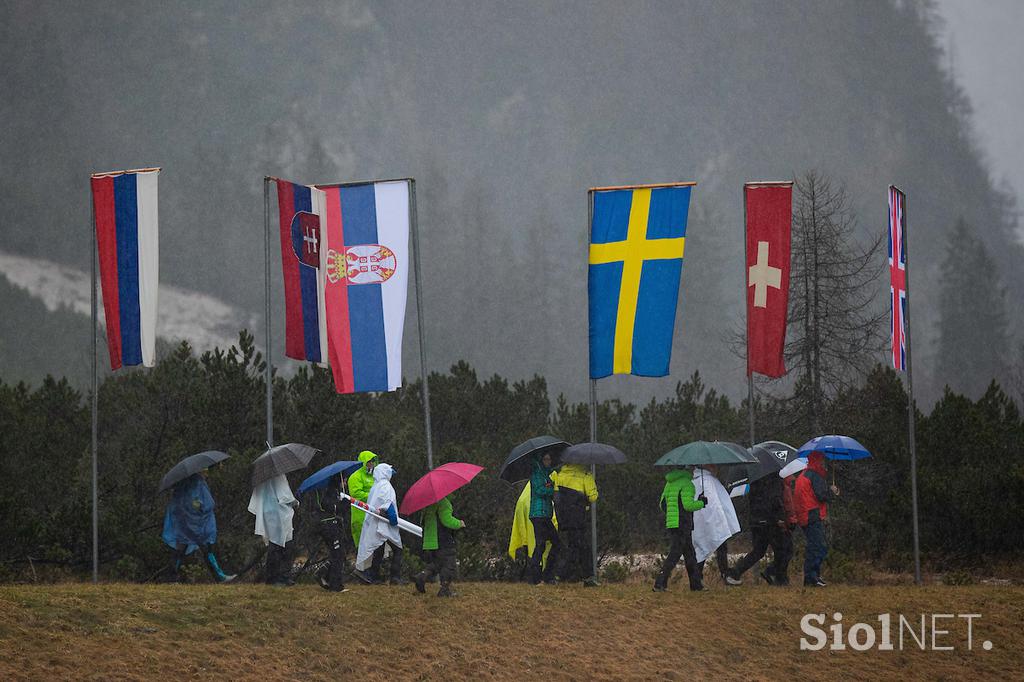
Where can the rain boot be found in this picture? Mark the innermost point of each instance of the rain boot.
(222, 577)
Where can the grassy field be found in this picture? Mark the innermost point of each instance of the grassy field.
(491, 631)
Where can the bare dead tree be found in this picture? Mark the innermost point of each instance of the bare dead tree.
(836, 327)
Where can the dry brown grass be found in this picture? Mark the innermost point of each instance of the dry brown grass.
(491, 631)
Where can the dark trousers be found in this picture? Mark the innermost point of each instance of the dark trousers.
(681, 545)
(815, 551)
(441, 562)
(763, 536)
(575, 559)
(721, 558)
(206, 551)
(278, 560)
(544, 532)
(331, 534)
(378, 559)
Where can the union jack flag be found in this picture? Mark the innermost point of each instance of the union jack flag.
(898, 277)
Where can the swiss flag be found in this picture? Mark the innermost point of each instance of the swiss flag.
(769, 216)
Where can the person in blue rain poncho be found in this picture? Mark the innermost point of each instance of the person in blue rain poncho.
(189, 524)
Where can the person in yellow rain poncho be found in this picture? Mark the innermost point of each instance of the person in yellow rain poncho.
(522, 529)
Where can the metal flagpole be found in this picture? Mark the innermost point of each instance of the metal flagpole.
(414, 225)
(266, 310)
(95, 403)
(746, 317)
(911, 412)
(593, 417)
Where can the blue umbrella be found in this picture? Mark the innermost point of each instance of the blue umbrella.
(320, 478)
(835, 448)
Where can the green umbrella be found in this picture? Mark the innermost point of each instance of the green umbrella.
(703, 452)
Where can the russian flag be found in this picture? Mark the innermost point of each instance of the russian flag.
(345, 259)
(125, 213)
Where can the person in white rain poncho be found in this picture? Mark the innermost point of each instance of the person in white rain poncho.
(376, 532)
(274, 505)
(716, 522)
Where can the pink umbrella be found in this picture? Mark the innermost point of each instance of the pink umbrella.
(437, 484)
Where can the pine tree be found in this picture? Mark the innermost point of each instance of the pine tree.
(973, 337)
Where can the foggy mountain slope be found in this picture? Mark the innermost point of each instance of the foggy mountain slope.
(505, 114)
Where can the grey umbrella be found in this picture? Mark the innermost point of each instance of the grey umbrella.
(192, 464)
(518, 466)
(281, 459)
(768, 462)
(593, 453)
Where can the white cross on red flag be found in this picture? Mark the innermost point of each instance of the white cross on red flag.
(769, 217)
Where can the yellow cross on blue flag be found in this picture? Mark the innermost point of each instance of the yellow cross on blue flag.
(637, 238)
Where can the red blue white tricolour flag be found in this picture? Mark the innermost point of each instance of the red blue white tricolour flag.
(125, 213)
(345, 259)
(898, 277)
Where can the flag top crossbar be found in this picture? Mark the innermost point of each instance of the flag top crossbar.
(110, 174)
(654, 186)
(768, 183)
(356, 183)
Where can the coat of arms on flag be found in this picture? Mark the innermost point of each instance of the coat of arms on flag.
(345, 259)
(637, 239)
(898, 277)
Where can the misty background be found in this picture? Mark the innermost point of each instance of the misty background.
(505, 113)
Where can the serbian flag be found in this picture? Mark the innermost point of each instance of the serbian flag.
(345, 259)
(125, 214)
(898, 277)
(769, 217)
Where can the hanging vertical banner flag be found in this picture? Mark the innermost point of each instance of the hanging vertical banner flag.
(125, 215)
(637, 239)
(898, 277)
(345, 259)
(769, 216)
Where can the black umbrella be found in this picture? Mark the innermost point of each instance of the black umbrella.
(593, 453)
(771, 456)
(192, 464)
(519, 466)
(280, 460)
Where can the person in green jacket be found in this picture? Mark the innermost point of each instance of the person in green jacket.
(359, 484)
(542, 493)
(678, 503)
(439, 526)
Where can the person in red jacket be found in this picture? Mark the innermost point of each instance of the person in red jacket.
(810, 499)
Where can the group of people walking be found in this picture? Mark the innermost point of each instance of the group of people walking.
(550, 524)
(700, 518)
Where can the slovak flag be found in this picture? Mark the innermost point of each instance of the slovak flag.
(125, 214)
(345, 259)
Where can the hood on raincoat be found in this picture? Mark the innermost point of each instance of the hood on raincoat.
(816, 462)
(366, 457)
(272, 503)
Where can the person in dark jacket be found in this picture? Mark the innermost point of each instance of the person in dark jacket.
(678, 503)
(542, 493)
(330, 512)
(575, 490)
(811, 496)
(439, 526)
(768, 528)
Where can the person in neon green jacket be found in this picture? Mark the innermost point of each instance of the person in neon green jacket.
(679, 492)
(439, 526)
(359, 484)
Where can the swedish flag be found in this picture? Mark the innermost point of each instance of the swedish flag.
(637, 238)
